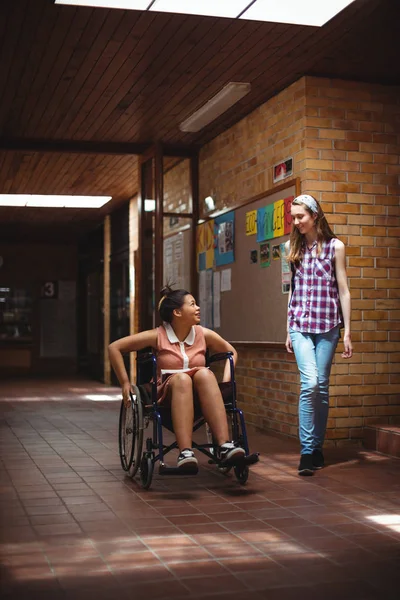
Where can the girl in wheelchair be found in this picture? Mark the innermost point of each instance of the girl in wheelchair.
(180, 344)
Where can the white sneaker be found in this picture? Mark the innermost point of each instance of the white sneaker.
(230, 454)
(187, 461)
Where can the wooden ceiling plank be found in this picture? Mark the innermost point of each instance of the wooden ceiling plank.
(107, 175)
(214, 34)
(106, 36)
(32, 55)
(166, 55)
(248, 53)
(196, 91)
(134, 66)
(55, 83)
(104, 82)
(11, 64)
(36, 102)
(92, 48)
(63, 71)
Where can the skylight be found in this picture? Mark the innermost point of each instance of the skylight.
(53, 201)
(298, 12)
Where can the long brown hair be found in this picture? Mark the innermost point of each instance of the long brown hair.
(324, 233)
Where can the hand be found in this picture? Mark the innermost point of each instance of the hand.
(288, 344)
(348, 347)
(126, 391)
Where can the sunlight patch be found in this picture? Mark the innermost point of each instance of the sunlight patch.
(103, 397)
(390, 521)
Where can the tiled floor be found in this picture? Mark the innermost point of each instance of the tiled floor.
(73, 527)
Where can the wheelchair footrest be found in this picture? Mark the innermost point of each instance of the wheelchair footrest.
(252, 459)
(164, 470)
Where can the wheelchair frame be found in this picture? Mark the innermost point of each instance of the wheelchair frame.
(155, 450)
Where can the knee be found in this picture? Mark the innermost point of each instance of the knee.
(181, 382)
(310, 385)
(204, 377)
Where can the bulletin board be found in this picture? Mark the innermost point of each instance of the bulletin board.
(255, 308)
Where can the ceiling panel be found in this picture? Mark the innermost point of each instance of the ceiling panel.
(79, 76)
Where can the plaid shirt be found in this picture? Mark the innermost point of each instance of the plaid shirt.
(314, 306)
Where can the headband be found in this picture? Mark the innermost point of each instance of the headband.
(308, 201)
(161, 301)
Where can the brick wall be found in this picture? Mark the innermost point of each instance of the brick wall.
(344, 137)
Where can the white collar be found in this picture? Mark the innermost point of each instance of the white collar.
(171, 335)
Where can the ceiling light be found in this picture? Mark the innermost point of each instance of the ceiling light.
(221, 8)
(209, 202)
(53, 201)
(296, 12)
(306, 12)
(227, 97)
(149, 205)
(127, 4)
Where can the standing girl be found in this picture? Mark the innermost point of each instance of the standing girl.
(319, 304)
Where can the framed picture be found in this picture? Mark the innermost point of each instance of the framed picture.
(283, 170)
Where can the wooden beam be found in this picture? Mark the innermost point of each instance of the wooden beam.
(70, 146)
(106, 284)
(87, 147)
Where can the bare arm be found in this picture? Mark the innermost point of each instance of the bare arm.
(288, 343)
(344, 295)
(124, 345)
(216, 343)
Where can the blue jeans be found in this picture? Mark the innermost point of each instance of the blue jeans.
(314, 355)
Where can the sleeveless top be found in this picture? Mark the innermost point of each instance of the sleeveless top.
(314, 305)
(175, 356)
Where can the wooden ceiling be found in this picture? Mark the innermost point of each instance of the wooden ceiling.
(83, 91)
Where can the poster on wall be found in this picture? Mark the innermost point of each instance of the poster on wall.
(205, 245)
(283, 170)
(224, 231)
(285, 269)
(265, 259)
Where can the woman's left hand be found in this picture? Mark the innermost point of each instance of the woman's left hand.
(348, 347)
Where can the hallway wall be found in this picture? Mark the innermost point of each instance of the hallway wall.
(29, 266)
(345, 141)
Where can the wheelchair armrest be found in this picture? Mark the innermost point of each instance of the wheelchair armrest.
(219, 356)
(144, 358)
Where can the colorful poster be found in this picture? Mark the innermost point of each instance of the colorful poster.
(251, 222)
(200, 247)
(276, 252)
(261, 220)
(265, 258)
(288, 217)
(279, 218)
(265, 223)
(209, 243)
(224, 229)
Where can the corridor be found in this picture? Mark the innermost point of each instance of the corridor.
(74, 527)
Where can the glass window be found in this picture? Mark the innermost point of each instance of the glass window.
(15, 314)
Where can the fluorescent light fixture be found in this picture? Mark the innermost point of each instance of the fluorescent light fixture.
(215, 8)
(149, 205)
(297, 12)
(53, 201)
(218, 104)
(126, 4)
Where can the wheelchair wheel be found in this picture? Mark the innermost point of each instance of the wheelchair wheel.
(131, 433)
(241, 473)
(146, 471)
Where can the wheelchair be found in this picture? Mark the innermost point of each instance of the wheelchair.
(143, 412)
